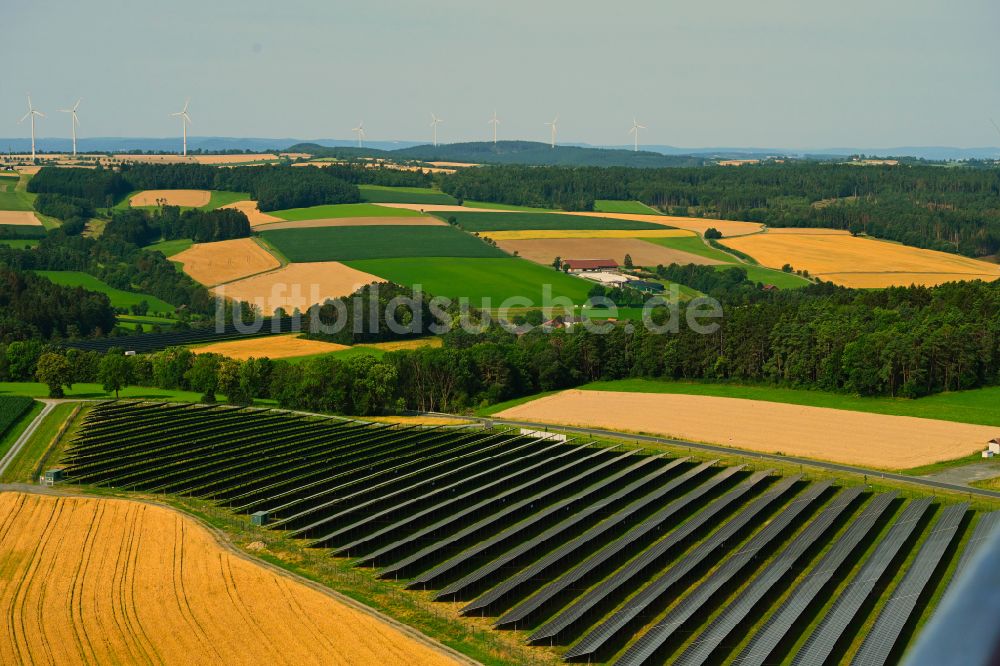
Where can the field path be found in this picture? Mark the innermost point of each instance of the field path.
(26, 435)
(121, 581)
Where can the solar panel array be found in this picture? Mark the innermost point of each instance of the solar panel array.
(616, 555)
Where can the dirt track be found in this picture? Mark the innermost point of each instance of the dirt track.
(854, 438)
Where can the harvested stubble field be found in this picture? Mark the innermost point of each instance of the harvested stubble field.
(855, 438)
(196, 159)
(544, 251)
(250, 209)
(225, 261)
(298, 286)
(862, 262)
(271, 346)
(376, 242)
(698, 225)
(192, 198)
(530, 234)
(89, 580)
(19, 218)
(359, 222)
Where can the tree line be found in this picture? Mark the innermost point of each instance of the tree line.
(906, 342)
(141, 227)
(32, 306)
(952, 209)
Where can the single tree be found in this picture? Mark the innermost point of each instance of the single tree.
(557, 263)
(712, 233)
(114, 371)
(628, 261)
(54, 371)
(204, 376)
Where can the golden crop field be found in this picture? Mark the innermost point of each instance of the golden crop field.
(861, 262)
(19, 218)
(250, 209)
(855, 438)
(530, 234)
(225, 261)
(297, 285)
(106, 581)
(544, 251)
(415, 343)
(271, 346)
(192, 198)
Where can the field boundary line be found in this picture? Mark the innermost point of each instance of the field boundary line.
(226, 543)
(25, 436)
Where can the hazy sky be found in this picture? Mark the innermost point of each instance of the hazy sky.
(775, 73)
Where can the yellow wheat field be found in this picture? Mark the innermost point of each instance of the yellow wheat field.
(297, 286)
(19, 218)
(192, 198)
(250, 209)
(528, 234)
(397, 345)
(854, 438)
(224, 261)
(861, 262)
(106, 581)
(271, 346)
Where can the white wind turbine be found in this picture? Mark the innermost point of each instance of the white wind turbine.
(435, 121)
(32, 112)
(185, 121)
(555, 121)
(635, 130)
(494, 121)
(360, 131)
(74, 122)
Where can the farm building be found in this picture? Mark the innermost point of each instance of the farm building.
(645, 285)
(993, 445)
(582, 265)
(605, 278)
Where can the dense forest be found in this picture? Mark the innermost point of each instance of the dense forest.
(955, 210)
(274, 187)
(904, 342)
(118, 262)
(32, 307)
(142, 227)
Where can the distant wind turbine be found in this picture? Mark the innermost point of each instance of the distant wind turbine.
(494, 121)
(360, 131)
(435, 121)
(74, 121)
(32, 112)
(185, 121)
(555, 121)
(635, 130)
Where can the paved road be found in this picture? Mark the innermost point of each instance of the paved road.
(711, 448)
(26, 435)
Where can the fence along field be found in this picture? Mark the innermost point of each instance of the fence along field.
(109, 581)
(614, 554)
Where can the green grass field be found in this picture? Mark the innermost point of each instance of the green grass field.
(221, 198)
(695, 245)
(411, 195)
(377, 242)
(497, 279)
(19, 243)
(537, 221)
(8, 182)
(779, 279)
(15, 429)
(342, 355)
(16, 200)
(119, 298)
(169, 248)
(631, 207)
(976, 406)
(21, 469)
(342, 210)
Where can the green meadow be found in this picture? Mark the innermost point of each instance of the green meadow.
(375, 242)
(341, 210)
(119, 298)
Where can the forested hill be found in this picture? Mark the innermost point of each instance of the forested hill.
(531, 153)
(948, 209)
